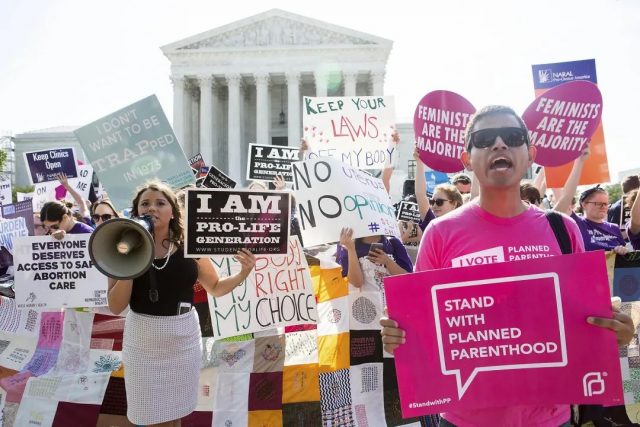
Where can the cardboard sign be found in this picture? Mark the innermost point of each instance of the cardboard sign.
(221, 222)
(52, 274)
(511, 333)
(52, 190)
(23, 196)
(547, 76)
(331, 195)
(5, 190)
(355, 130)
(215, 178)
(197, 163)
(266, 161)
(439, 124)
(132, 146)
(279, 292)
(408, 211)
(22, 209)
(46, 164)
(562, 120)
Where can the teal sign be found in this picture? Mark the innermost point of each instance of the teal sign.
(132, 146)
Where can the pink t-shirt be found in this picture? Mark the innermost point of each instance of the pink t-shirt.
(470, 236)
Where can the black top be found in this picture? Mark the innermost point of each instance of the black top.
(174, 284)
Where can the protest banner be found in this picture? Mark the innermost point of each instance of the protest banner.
(355, 130)
(45, 165)
(266, 161)
(197, 163)
(23, 196)
(547, 76)
(562, 120)
(131, 146)
(215, 178)
(22, 209)
(221, 222)
(52, 274)
(5, 190)
(487, 353)
(439, 124)
(11, 228)
(52, 190)
(408, 211)
(278, 292)
(331, 195)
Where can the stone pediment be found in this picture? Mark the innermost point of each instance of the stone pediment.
(276, 28)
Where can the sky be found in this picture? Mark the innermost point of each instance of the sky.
(70, 62)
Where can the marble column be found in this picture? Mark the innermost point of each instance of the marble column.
(293, 108)
(233, 142)
(321, 78)
(178, 108)
(350, 82)
(377, 82)
(206, 118)
(262, 108)
(187, 124)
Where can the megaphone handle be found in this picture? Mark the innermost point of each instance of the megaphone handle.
(153, 286)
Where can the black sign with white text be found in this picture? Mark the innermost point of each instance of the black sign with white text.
(265, 161)
(408, 211)
(221, 222)
(217, 179)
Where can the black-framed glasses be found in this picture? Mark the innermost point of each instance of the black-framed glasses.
(485, 138)
(438, 202)
(103, 217)
(599, 205)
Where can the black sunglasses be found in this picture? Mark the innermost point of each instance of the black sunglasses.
(103, 217)
(438, 202)
(485, 138)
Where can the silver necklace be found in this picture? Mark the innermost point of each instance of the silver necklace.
(166, 258)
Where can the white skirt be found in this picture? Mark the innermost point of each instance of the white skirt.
(162, 356)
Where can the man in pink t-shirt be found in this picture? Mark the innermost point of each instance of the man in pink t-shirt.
(498, 227)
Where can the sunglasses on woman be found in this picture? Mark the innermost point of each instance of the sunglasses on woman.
(438, 202)
(485, 138)
(103, 217)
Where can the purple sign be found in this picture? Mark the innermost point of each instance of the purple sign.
(562, 120)
(47, 164)
(439, 124)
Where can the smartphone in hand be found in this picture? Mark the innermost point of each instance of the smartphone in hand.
(375, 246)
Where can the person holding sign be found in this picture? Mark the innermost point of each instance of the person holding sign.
(57, 220)
(504, 228)
(445, 197)
(162, 345)
(596, 232)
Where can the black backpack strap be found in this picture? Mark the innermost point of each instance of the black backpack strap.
(560, 230)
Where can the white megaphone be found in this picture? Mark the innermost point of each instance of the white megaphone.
(123, 248)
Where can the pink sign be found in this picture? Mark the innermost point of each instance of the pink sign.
(505, 334)
(562, 120)
(439, 124)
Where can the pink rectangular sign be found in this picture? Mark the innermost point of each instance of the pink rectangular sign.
(505, 334)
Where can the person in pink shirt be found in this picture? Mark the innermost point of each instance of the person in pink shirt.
(498, 227)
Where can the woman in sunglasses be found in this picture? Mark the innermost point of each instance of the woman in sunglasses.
(57, 220)
(446, 197)
(596, 232)
(103, 210)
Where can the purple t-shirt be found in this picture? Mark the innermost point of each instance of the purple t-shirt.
(80, 228)
(390, 245)
(598, 235)
(633, 238)
(427, 219)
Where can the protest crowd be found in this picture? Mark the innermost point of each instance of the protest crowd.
(281, 303)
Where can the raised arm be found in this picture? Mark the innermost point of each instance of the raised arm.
(421, 185)
(540, 182)
(563, 204)
(82, 207)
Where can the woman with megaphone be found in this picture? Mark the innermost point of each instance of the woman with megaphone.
(162, 346)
